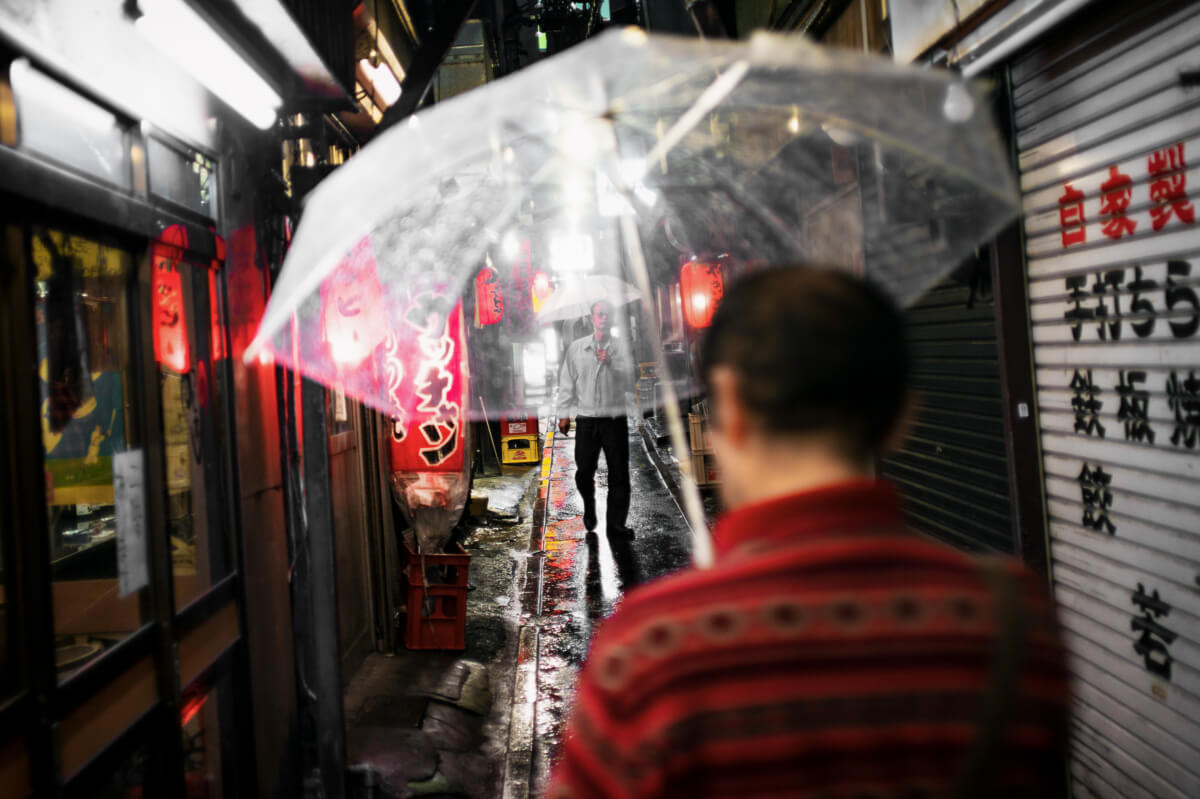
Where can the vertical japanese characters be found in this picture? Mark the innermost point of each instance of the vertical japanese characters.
(1132, 302)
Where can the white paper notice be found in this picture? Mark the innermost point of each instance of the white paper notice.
(340, 413)
(130, 500)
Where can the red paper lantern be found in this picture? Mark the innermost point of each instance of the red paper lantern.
(702, 285)
(171, 346)
(489, 297)
(353, 319)
(426, 369)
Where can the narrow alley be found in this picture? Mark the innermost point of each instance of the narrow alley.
(487, 722)
(296, 295)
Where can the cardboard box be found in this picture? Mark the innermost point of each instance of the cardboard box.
(698, 433)
(523, 426)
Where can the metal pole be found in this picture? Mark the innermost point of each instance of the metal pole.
(488, 424)
(324, 657)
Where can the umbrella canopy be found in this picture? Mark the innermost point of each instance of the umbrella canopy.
(631, 154)
(576, 296)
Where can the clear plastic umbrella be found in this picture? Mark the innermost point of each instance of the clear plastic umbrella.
(654, 159)
(576, 296)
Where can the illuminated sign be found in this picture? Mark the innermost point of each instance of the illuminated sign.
(171, 347)
(425, 369)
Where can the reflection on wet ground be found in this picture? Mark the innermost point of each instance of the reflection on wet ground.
(583, 578)
(487, 722)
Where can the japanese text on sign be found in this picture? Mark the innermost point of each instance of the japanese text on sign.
(1096, 498)
(1154, 638)
(1166, 170)
(1178, 299)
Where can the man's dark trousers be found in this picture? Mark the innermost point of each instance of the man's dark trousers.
(593, 434)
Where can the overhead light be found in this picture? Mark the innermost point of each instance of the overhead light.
(385, 87)
(184, 36)
(510, 245)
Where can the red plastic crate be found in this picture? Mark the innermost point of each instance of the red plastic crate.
(522, 426)
(437, 612)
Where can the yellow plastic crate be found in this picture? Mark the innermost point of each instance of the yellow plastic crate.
(519, 449)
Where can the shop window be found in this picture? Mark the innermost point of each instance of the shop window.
(183, 176)
(59, 123)
(191, 409)
(92, 467)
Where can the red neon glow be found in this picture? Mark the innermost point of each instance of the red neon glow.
(171, 346)
(425, 366)
(353, 319)
(489, 298)
(702, 285)
(245, 290)
(216, 341)
(191, 708)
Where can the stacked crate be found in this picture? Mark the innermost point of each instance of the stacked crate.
(519, 440)
(436, 611)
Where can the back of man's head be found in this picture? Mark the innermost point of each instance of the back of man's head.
(813, 350)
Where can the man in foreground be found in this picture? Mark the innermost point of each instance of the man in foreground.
(828, 652)
(595, 375)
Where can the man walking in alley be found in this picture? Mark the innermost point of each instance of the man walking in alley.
(594, 377)
(828, 651)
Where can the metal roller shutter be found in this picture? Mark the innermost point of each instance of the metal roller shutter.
(1108, 132)
(952, 470)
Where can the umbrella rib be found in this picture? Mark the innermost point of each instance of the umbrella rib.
(717, 91)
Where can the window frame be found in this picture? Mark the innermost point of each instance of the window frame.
(38, 190)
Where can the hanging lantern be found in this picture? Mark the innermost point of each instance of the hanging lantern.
(426, 368)
(489, 298)
(702, 285)
(171, 347)
(541, 290)
(353, 318)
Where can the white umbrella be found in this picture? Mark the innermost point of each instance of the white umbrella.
(577, 294)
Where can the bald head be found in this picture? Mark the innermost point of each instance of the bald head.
(601, 318)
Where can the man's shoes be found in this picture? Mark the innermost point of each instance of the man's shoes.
(621, 534)
(589, 521)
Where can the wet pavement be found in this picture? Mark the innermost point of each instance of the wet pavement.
(487, 722)
(436, 724)
(582, 579)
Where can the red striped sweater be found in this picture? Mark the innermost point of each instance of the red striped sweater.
(828, 653)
